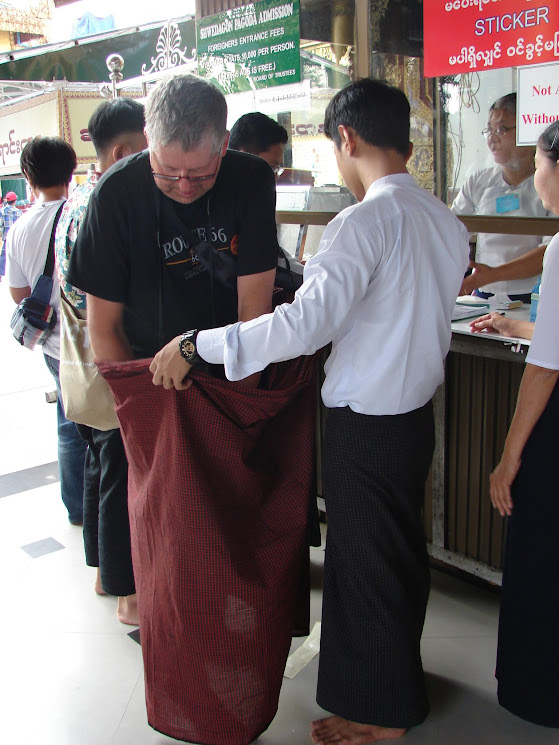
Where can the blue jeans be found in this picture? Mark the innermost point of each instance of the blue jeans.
(71, 454)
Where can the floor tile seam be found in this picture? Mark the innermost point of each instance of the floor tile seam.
(22, 391)
(127, 705)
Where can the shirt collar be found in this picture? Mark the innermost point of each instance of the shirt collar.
(403, 179)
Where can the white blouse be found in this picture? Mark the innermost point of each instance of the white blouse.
(544, 347)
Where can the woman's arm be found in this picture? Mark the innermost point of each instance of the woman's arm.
(528, 265)
(535, 389)
(497, 323)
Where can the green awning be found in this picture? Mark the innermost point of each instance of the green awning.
(144, 49)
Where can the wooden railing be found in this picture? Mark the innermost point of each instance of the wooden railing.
(474, 223)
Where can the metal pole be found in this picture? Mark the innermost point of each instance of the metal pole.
(115, 63)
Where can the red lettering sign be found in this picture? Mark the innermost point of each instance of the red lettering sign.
(468, 35)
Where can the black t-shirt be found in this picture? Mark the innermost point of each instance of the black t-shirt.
(138, 247)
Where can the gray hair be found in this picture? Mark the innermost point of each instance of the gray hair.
(187, 110)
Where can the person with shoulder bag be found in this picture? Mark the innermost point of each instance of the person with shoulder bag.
(47, 163)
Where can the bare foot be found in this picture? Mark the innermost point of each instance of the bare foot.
(98, 586)
(338, 731)
(127, 610)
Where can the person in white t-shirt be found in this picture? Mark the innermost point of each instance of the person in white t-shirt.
(504, 263)
(381, 288)
(47, 163)
(524, 487)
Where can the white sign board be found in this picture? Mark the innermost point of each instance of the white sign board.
(239, 104)
(291, 97)
(538, 101)
(20, 123)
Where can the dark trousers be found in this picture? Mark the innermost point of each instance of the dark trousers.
(106, 529)
(376, 574)
(528, 642)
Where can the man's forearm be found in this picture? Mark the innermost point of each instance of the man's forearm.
(111, 346)
(106, 332)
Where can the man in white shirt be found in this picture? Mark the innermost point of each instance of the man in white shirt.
(47, 163)
(381, 288)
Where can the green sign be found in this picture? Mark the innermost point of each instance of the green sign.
(256, 46)
(144, 51)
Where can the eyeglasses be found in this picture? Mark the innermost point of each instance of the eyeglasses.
(498, 132)
(190, 179)
(278, 170)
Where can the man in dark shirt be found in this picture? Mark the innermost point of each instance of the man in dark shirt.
(256, 133)
(137, 255)
(180, 236)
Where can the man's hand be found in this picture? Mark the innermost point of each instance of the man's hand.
(169, 368)
(480, 276)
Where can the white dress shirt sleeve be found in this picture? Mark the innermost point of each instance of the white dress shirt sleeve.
(335, 281)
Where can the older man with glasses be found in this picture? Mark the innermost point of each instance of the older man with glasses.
(177, 237)
(137, 252)
(504, 263)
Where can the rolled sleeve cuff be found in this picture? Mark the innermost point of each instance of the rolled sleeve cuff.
(210, 345)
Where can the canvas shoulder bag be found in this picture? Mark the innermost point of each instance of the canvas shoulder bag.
(86, 396)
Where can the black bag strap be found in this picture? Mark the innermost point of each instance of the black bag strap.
(48, 271)
(42, 290)
(43, 286)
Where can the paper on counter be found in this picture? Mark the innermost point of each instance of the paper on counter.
(464, 311)
(472, 300)
(304, 654)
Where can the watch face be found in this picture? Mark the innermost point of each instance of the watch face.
(188, 348)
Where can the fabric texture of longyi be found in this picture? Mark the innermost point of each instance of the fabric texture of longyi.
(376, 568)
(220, 478)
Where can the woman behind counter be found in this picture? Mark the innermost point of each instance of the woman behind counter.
(504, 263)
(524, 486)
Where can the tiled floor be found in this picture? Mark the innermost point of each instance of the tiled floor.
(71, 675)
